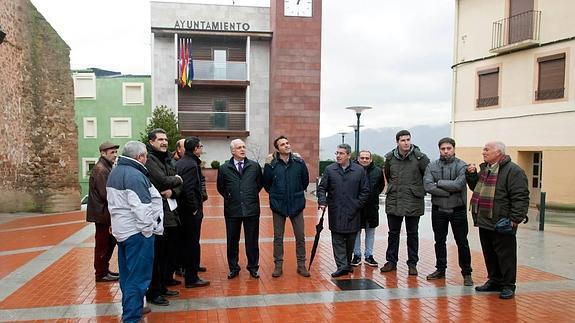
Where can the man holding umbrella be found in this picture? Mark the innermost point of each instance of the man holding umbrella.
(344, 189)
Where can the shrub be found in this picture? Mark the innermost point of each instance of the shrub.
(215, 164)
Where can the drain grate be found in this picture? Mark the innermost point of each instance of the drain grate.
(356, 284)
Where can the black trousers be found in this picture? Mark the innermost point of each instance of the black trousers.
(500, 254)
(251, 235)
(105, 243)
(157, 286)
(342, 244)
(192, 225)
(412, 227)
(440, 221)
(173, 247)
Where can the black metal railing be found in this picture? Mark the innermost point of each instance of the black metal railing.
(550, 94)
(517, 28)
(487, 102)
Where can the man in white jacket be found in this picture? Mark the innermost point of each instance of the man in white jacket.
(137, 214)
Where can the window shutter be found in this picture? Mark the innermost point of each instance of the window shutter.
(551, 77)
(488, 87)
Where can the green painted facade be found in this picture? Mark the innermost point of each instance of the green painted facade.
(108, 104)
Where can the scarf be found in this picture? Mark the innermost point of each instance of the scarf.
(484, 192)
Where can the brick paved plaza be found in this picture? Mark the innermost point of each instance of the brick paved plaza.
(47, 274)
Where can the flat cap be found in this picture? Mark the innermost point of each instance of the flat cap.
(108, 145)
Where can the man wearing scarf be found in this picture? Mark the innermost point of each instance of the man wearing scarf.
(500, 192)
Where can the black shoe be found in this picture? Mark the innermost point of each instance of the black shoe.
(113, 273)
(507, 293)
(233, 274)
(254, 274)
(107, 278)
(356, 261)
(467, 280)
(202, 269)
(198, 283)
(159, 300)
(489, 287)
(173, 282)
(438, 274)
(389, 266)
(340, 272)
(170, 293)
(371, 262)
(412, 271)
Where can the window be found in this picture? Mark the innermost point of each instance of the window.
(488, 94)
(133, 93)
(220, 64)
(85, 85)
(120, 127)
(536, 179)
(87, 166)
(551, 79)
(90, 128)
(220, 108)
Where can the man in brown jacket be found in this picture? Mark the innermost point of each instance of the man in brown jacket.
(97, 212)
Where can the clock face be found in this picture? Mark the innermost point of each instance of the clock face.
(298, 8)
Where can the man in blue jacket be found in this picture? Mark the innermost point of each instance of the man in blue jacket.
(344, 189)
(285, 179)
(137, 214)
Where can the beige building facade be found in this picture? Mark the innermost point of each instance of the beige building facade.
(514, 81)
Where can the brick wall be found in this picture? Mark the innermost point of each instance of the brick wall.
(38, 136)
(295, 69)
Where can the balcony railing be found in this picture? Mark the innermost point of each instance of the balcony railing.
(487, 102)
(225, 71)
(550, 94)
(518, 31)
(222, 121)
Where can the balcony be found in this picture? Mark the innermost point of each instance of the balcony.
(219, 71)
(214, 124)
(516, 32)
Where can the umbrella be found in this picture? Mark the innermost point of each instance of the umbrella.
(318, 228)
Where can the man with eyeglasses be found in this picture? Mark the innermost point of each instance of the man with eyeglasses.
(344, 189)
(191, 212)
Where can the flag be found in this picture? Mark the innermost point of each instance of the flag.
(190, 64)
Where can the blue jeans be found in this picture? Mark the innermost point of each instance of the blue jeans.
(369, 239)
(135, 260)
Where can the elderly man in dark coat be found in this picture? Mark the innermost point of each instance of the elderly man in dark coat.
(344, 189)
(370, 212)
(500, 194)
(239, 182)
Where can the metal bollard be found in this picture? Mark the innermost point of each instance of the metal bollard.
(542, 212)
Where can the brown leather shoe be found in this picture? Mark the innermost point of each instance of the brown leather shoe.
(303, 271)
(412, 271)
(389, 266)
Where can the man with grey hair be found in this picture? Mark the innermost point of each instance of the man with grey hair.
(499, 203)
(239, 183)
(136, 212)
(344, 190)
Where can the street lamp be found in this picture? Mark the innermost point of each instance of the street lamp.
(356, 132)
(358, 110)
(343, 133)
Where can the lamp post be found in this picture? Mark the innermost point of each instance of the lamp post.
(358, 110)
(343, 133)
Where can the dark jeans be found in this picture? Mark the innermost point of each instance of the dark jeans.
(251, 236)
(105, 243)
(173, 251)
(192, 225)
(440, 221)
(157, 287)
(342, 244)
(500, 254)
(412, 227)
(135, 260)
(297, 223)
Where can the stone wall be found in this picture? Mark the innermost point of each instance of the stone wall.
(38, 136)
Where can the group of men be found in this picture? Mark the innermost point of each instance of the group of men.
(151, 205)
(500, 201)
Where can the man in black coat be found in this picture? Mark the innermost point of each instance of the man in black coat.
(191, 210)
(286, 178)
(97, 212)
(370, 211)
(344, 189)
(239, 183)
(500, 192)
(164, 178)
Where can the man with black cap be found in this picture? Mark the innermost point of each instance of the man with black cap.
(97, 212)
(190, 208)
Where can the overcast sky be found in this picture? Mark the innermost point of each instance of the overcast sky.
(392, 55)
